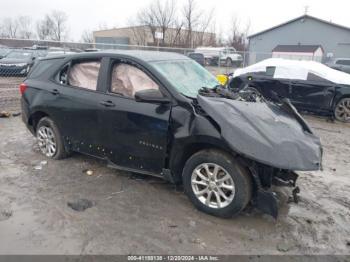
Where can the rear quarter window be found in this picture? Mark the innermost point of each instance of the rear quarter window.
(314, 77)
(41, 66)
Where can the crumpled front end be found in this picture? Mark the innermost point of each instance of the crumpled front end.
(264, 133)
(270, 141)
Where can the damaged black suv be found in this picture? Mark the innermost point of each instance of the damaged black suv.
(163, 114)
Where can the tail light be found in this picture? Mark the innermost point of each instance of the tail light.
(22, 88)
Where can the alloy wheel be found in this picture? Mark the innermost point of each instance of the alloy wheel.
(46, 141)
(342, 110)
(212, 185)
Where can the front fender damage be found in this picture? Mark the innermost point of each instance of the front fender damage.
(264, 198)
(272, 143)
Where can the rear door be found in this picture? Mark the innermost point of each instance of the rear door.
(75, 97)
(135, 134)
(314, 94)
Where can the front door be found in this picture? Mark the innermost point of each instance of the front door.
(135, 134)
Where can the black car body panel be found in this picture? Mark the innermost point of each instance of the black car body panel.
(313, 96)
(266, 133)
(158, 138)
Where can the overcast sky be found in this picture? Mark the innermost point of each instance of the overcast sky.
(89, 14)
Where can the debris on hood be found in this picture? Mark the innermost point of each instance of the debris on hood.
(269, 133)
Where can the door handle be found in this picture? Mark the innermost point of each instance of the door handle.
(55, 92)
(107, 103)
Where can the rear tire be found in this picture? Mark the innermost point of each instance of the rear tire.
(50, 140)
(216, 183)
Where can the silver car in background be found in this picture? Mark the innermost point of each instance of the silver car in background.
(341, 64)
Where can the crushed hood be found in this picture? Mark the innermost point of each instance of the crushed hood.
(264, 132)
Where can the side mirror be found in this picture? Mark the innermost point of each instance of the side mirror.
(223, 79)
(151, 96)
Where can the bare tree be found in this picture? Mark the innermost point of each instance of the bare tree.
(10, 28)
(53, 26)
(237, 37)
(87, 36)
(44, 28)
(203, 24)
(145, 17)
(164, 15)
(192, 17)
(59, 20)
(159, 15)
(25, 30)
(175, 37)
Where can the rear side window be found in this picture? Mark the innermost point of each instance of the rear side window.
(313, 77)
(84, 74)
(270, 70)
(41, 67)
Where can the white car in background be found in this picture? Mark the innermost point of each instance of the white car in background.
(223, 55)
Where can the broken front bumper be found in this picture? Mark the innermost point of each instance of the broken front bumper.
(264, 198)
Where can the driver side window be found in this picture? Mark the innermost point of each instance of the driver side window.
(127, 79)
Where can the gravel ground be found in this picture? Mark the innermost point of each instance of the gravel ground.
(9, 93)
(135, 214)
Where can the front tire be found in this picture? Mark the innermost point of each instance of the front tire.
(49, 139)
(342, 110)
(216, 183)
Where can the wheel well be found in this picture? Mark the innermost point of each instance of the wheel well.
(340, 98)
(189, 151)
(35, 118)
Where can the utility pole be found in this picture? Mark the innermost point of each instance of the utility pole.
(306, 9)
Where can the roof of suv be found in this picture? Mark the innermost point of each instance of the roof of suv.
(139, 54)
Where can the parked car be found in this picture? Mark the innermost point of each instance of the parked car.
(198, 57)
(310, 86)
(19, 62)
(3, 52)
(59, 52)
(147, 112)
(341, 64)
(223, 55)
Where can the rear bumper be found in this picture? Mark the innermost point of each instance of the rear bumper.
(25, 115)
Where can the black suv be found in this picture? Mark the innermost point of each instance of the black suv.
(163, 114)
